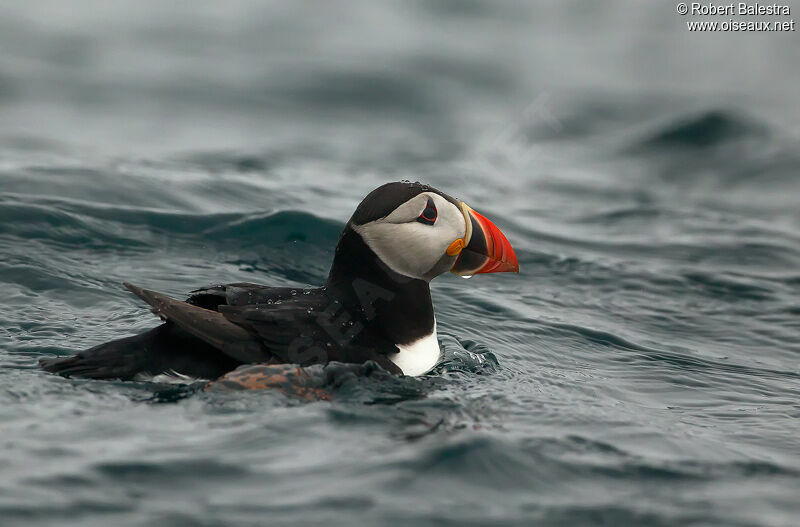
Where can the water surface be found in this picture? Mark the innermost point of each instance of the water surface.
(641, 370)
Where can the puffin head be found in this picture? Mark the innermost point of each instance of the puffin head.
(421, 232)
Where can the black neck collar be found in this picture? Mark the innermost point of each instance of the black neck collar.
(397, 305)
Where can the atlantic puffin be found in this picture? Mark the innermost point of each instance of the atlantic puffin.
(375, 305)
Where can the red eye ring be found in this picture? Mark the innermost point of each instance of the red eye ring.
(429, 213)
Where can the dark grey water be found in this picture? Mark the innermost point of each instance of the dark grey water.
(643, 369)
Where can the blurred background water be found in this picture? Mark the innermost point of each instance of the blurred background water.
(641, 370)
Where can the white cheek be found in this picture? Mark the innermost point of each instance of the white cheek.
(410, 249)
(451, 224)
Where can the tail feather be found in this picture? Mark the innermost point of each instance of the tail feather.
(161, 349)
(118, 359)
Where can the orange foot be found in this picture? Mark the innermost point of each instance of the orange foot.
(290, 379)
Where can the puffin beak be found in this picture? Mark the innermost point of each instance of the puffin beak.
(484, 249)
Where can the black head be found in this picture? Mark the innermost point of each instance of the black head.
(385, 199)
(420, 232)
(409, 227)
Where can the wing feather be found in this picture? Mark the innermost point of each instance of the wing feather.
(209, 326)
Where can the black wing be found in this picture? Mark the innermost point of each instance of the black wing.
(239, 294)
(194, 341)
(284, 325)
(209, 326)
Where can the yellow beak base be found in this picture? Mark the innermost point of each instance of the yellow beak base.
(456, 247)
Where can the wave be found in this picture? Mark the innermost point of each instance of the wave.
(89, 225)
(729, 158)
(703, 250)
(706, 129)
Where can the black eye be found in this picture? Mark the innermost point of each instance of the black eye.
(428, 216)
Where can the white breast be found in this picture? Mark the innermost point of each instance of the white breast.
(419, 357)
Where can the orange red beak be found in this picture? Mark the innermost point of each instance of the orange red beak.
(486, 249)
